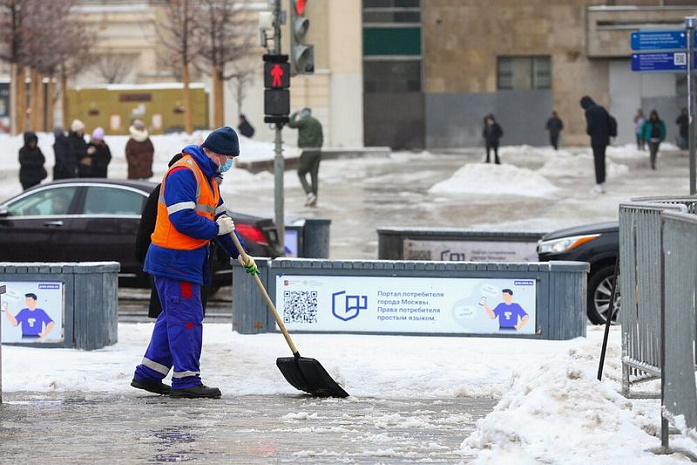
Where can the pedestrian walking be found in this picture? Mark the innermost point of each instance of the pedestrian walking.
(654, 132)
(598, 128)
(31, 162)
(554, 126)
(639, 121)
(139, 152)
(310, 140)
(190, 213)
(66, 163)
(683, 123)
(99, 151)
(492, 133)
(245, 128)
(76, 137)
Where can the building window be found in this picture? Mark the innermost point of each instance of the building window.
(392, 76)
(520, 73)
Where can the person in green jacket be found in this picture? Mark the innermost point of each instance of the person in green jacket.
(310, 140)
(654, 131)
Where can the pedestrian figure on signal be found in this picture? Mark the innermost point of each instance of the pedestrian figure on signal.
(310, 140)
(492, 133)
(31, 162)
(139, 152)
(683, 123)
(554, 126)
(190, 213)
(654, 132)
(639, 120)
(99, 151)
(598, 128)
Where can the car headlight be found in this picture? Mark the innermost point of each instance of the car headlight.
(564, 244)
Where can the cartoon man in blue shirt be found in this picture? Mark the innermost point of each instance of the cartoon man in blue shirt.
(511, 316)
(36, 324)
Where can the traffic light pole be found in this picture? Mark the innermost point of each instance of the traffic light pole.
(279, 162)
(690, 28)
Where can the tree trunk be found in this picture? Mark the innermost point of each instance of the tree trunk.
(40, 103)
(50, 103)
(217, 91)
(188, 126)
(13, 99)
(33, 100)
(64, 101)
(21, 100)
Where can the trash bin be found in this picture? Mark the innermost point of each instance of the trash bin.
(316, 238)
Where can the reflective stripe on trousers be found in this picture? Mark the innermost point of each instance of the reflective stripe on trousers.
(177, 336)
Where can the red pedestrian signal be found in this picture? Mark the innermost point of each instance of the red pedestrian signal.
(299, 6)
(276, 75)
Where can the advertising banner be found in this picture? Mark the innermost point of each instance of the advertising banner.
(32, 312)
(470, 251)
(407, 305)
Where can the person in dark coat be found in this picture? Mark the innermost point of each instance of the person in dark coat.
(99, 151)
(310, 140)
(598, 128)
(492, 133)
(245, 128)
(654, 132)
(139, 152)
(683, 123)
(76, 137)
(145, 229)
(554, 126)
(66, 163)
(31, 162)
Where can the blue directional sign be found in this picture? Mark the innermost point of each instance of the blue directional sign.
(658, 40)
(664, 61)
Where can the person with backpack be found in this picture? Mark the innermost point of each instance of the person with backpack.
(599, 128)
(654, 132)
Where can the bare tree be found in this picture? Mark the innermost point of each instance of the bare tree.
(114, 67)
(227, 41)
(176, 32)
(12, 50)
(241, 84)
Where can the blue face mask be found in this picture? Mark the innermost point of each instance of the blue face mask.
(225, 167)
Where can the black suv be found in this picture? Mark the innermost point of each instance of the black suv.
(599, 245)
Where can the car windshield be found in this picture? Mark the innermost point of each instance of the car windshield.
(47, 202)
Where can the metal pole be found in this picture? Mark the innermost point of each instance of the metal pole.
(690, 37)
(279, 162)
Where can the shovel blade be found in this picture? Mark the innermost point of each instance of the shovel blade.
(308, 375)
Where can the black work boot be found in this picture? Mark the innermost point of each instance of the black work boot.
(197, 392)
(151, 386)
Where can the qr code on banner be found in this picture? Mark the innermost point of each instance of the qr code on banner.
(300, 306)
(680, 59)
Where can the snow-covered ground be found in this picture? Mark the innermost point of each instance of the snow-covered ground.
(552, 409)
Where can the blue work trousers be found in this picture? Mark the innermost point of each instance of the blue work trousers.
(177, 336)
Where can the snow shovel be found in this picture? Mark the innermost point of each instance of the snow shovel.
(304, 374)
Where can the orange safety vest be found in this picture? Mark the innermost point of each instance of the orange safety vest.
(207, 198)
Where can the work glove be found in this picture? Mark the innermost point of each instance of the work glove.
(248, 265)
(225, 225)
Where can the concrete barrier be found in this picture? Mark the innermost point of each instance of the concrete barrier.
(80, 298)
(414, 297)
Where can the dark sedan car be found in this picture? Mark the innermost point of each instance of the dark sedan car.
(599, 245)
(81, 220)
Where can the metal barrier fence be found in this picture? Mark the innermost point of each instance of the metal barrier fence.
(641, 288)
(679, 276)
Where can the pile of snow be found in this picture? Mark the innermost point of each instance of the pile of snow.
(567, 164)
(491, 179)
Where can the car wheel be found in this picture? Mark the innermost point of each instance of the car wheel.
(599, 294)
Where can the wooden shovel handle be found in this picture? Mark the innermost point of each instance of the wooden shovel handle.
(266, 297)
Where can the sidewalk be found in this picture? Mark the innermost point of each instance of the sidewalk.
(87, 427)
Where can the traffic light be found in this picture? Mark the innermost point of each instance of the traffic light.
(276, 94)
(302, 55)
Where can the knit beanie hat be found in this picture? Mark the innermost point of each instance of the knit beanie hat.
(98, 134)
(77, 125)
(223, 141)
